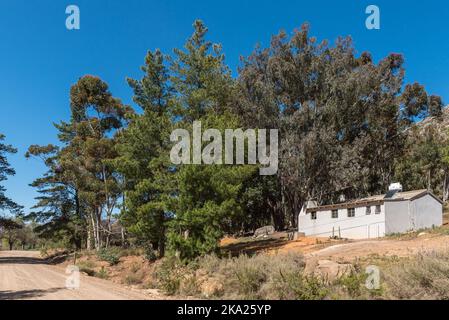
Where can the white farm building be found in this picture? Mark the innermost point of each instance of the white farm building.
(373, 217)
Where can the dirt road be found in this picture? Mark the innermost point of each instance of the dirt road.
(24, 276)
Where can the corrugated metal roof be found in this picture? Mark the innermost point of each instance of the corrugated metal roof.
(376, 200)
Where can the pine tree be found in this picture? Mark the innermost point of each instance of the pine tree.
(6, 204)
(143, 161)
(206, 200)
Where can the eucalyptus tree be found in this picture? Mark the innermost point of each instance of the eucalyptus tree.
(341, 116)
(81, 181)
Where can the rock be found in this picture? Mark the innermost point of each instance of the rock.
(264, 231)
(422, 234)
(328, 270)
(211, 287)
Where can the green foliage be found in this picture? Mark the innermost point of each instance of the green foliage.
(150, 254)
(6, 204)
(111, 255)
(81, 187)
(144, 156)
(423, 164)
(342, 117)
(345, 123)
(293, 285)
(258, 277)
(87, 267)
(102, 274)
(169, 274)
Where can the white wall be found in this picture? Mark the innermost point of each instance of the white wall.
(426, 212)
(422, 213)
(362, 226)
(397, 217)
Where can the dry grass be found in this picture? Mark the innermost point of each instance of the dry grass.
(425, 276)
(278, 276)
(272, 277)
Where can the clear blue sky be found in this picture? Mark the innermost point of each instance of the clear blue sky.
(40, 59)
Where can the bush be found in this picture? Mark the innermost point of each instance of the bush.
(134, 278)
(150, 254)
(87, 267)
(425, 276)
(279, 277)
(293, 285)
(102, 274)
(169, 275)
(111, 255)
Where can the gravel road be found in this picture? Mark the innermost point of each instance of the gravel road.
(23, 275)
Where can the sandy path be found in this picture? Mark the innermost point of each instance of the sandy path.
(24, 276)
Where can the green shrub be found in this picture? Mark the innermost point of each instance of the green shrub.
(254, 277)
(90, 272)
(353, 284)
(150, 254)
(102, 274)
(169, 275)
(111, 255)
(293, 285)
(134, 278)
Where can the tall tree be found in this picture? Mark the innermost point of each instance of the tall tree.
(58, 211)
(200, 76)
(6, 204)
(96, 119)
(143, 161)
(81, 185)
(205, 204)
(341, 116)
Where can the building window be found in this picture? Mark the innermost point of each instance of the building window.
(313, 215)
(368, 211)
(351, 212)
(334, 214)
(378, 210)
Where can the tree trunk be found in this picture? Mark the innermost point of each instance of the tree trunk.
(89, 236)
(98, 242)
(123, 237)
(161, 248)
(445, 187)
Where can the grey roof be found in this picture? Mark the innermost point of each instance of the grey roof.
(377, 200)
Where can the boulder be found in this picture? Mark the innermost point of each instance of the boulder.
(264, 231)
(328, 270)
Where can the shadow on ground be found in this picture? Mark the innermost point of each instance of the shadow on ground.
(26, 294)
(252, 247)
(20, 260)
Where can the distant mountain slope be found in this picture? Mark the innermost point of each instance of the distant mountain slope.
(441, 123)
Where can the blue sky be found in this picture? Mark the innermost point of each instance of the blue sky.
(40, 59)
